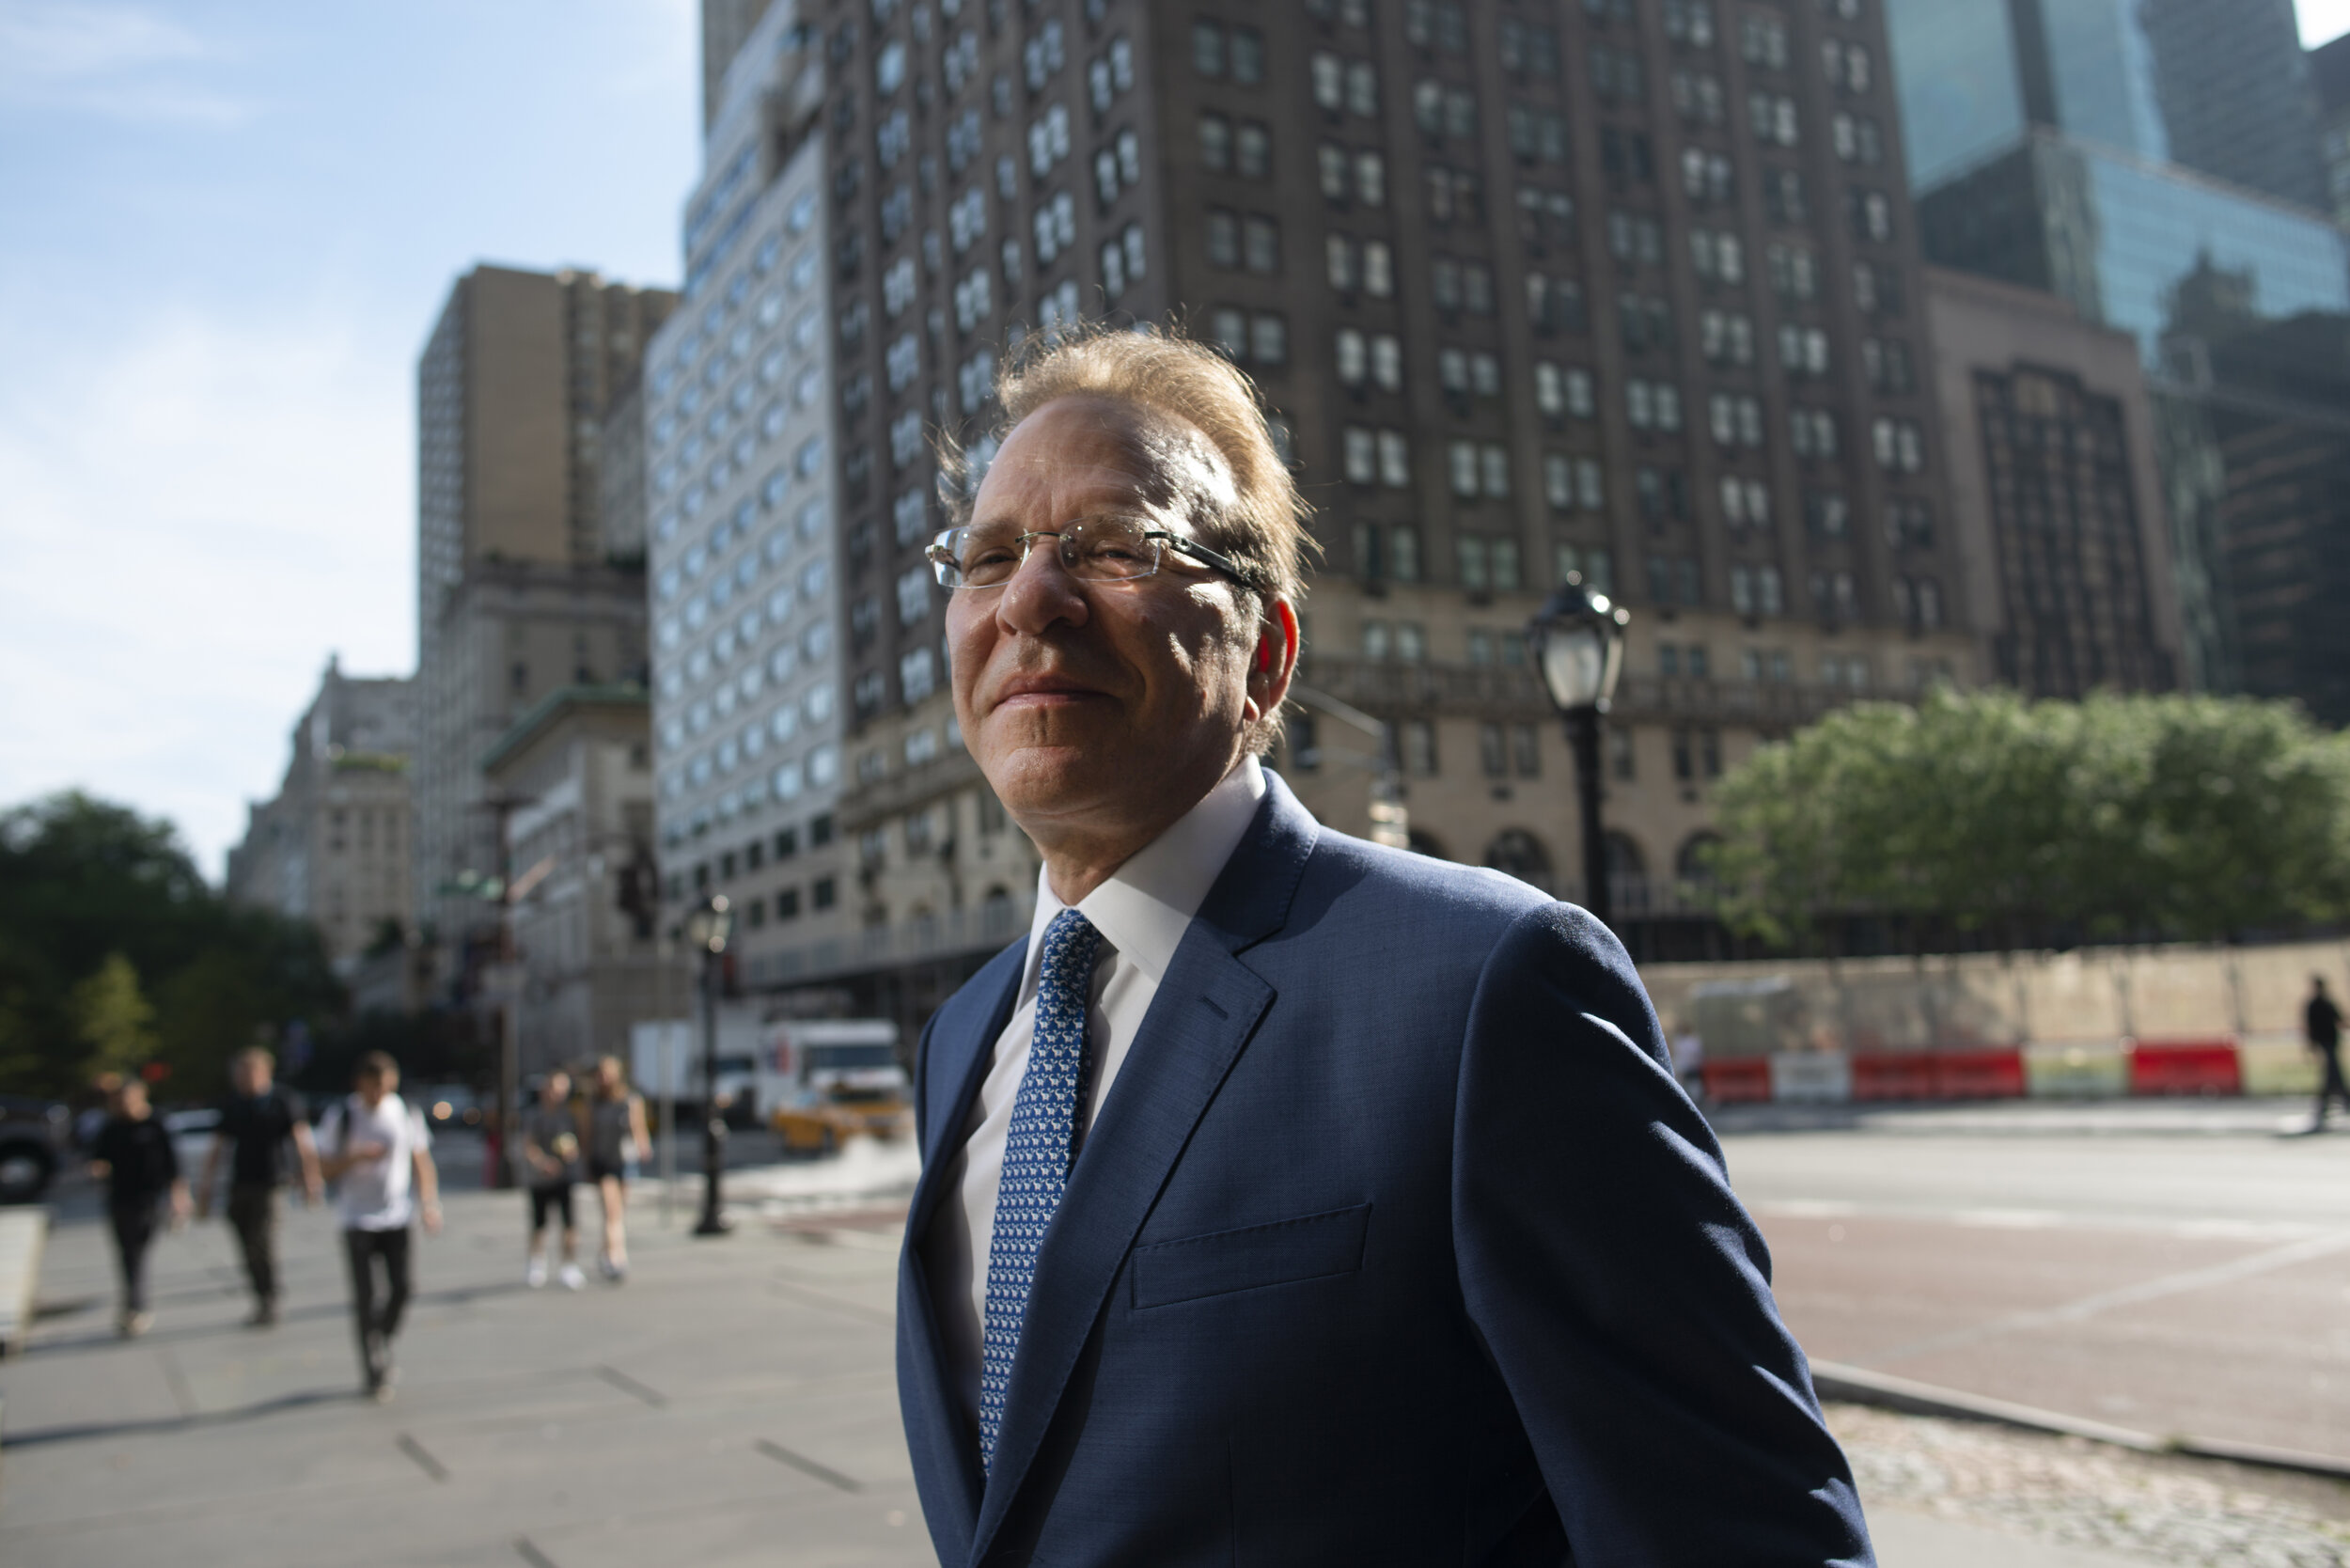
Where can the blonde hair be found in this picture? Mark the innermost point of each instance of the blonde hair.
(1264, 527)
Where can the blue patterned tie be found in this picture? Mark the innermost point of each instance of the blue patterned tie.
(1036, 1155)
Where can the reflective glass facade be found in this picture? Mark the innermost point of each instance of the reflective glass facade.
(2116, 235)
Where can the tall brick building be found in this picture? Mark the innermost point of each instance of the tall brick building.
(1528, 288)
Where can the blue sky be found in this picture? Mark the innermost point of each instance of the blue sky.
(229, 226)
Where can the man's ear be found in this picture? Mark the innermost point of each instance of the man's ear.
(1275, 659)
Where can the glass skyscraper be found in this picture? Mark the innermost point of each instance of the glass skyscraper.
(2117, 235)
(2217, 86)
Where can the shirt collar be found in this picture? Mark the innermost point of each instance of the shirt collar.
(1143, 908)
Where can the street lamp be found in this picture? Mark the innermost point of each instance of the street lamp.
(707, 929)
(1577, 642)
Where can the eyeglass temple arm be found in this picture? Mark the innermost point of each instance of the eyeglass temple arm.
(1246, 576)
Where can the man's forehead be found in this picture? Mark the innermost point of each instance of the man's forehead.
(1078, 449)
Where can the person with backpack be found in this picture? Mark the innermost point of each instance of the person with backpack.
(377, 1150)
(132, 1156)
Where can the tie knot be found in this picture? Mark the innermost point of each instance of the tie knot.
(1070, 942)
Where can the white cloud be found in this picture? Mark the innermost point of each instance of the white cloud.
(112, 60)
(193, 523)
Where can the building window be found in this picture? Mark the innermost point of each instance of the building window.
(1419, 739)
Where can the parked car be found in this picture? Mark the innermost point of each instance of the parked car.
(35, 1137)
(449, 1106)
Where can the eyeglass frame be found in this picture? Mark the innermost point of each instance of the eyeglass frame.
(941, 560)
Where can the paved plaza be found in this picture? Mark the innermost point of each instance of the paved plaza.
(734, 1402)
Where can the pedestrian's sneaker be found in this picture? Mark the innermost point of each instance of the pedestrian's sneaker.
(536, 1274)
(264, 1314)
(573, 1279)
(132, 1324)
(616, 1273)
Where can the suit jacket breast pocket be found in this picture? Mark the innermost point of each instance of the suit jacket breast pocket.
(1311, 1247)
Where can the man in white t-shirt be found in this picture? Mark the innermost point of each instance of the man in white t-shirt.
(375, 1147)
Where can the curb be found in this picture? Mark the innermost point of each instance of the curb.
(1858, 1385)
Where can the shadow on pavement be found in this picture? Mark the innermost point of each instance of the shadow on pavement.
(165, 1425)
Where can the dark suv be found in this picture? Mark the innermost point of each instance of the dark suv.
(35, 1136)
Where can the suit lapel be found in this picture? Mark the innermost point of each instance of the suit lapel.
(962, 1044)
(1206, 1010)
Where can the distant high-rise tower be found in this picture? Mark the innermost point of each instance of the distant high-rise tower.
(2238, 98)
(514, 595)
(745, 534)
(2219, 87)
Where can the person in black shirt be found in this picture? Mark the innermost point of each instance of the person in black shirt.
(256, 1124)
(134, 1156)
(2322, 1021)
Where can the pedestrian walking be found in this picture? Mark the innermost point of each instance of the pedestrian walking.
(132, 1156)
(259, 1122)
(2322, 1022)
(617, 1143)
(549, 1147)
(377, 1150)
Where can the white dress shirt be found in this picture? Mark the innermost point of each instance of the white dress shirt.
(1142, 911)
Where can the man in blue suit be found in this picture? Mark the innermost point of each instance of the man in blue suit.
(1288, 1199)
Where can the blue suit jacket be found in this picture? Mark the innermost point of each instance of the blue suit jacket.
(1394, 1242)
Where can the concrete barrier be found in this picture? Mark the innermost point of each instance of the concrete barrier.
(2159, 1067)
(1812, 1077)
(2076, 1070)
(22, 1234)
(1892, 1076)
(2277, 1063)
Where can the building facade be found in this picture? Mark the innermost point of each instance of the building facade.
(1629, 292)
(585, 894)
(746, 543)
(512, 391)
(2055, 497)
(2130, 245)
(2219, 87)
(333, 845)
(2329, 76)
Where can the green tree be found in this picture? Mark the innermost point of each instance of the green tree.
(85, 884)
(112, 1018)
(1986, 814)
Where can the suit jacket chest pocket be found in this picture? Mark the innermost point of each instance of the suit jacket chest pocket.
(1311, 1247)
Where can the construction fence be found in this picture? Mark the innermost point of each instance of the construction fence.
(2087, 1024)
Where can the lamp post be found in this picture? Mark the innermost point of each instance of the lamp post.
(1576, 639)
(707, 929)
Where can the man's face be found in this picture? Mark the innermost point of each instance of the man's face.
(1101, 707)
(556, 1089)
(250, 1075)
(374, 1085)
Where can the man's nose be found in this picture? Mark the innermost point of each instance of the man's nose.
(1042, 592)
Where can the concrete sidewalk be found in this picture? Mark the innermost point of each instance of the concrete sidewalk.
(733, 1402)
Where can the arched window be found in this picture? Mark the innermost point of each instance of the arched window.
(1693, 865)
(1520, 854)
(1428, 844)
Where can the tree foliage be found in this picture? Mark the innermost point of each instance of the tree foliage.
(114, 953)
(2191, 818)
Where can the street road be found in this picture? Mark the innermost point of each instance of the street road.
(734, 1402)
(2194, 1281)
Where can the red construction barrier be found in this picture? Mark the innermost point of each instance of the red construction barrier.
(1741, 1078)
(1892, 1076)
(1993, 1073)
(2185, 1067)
